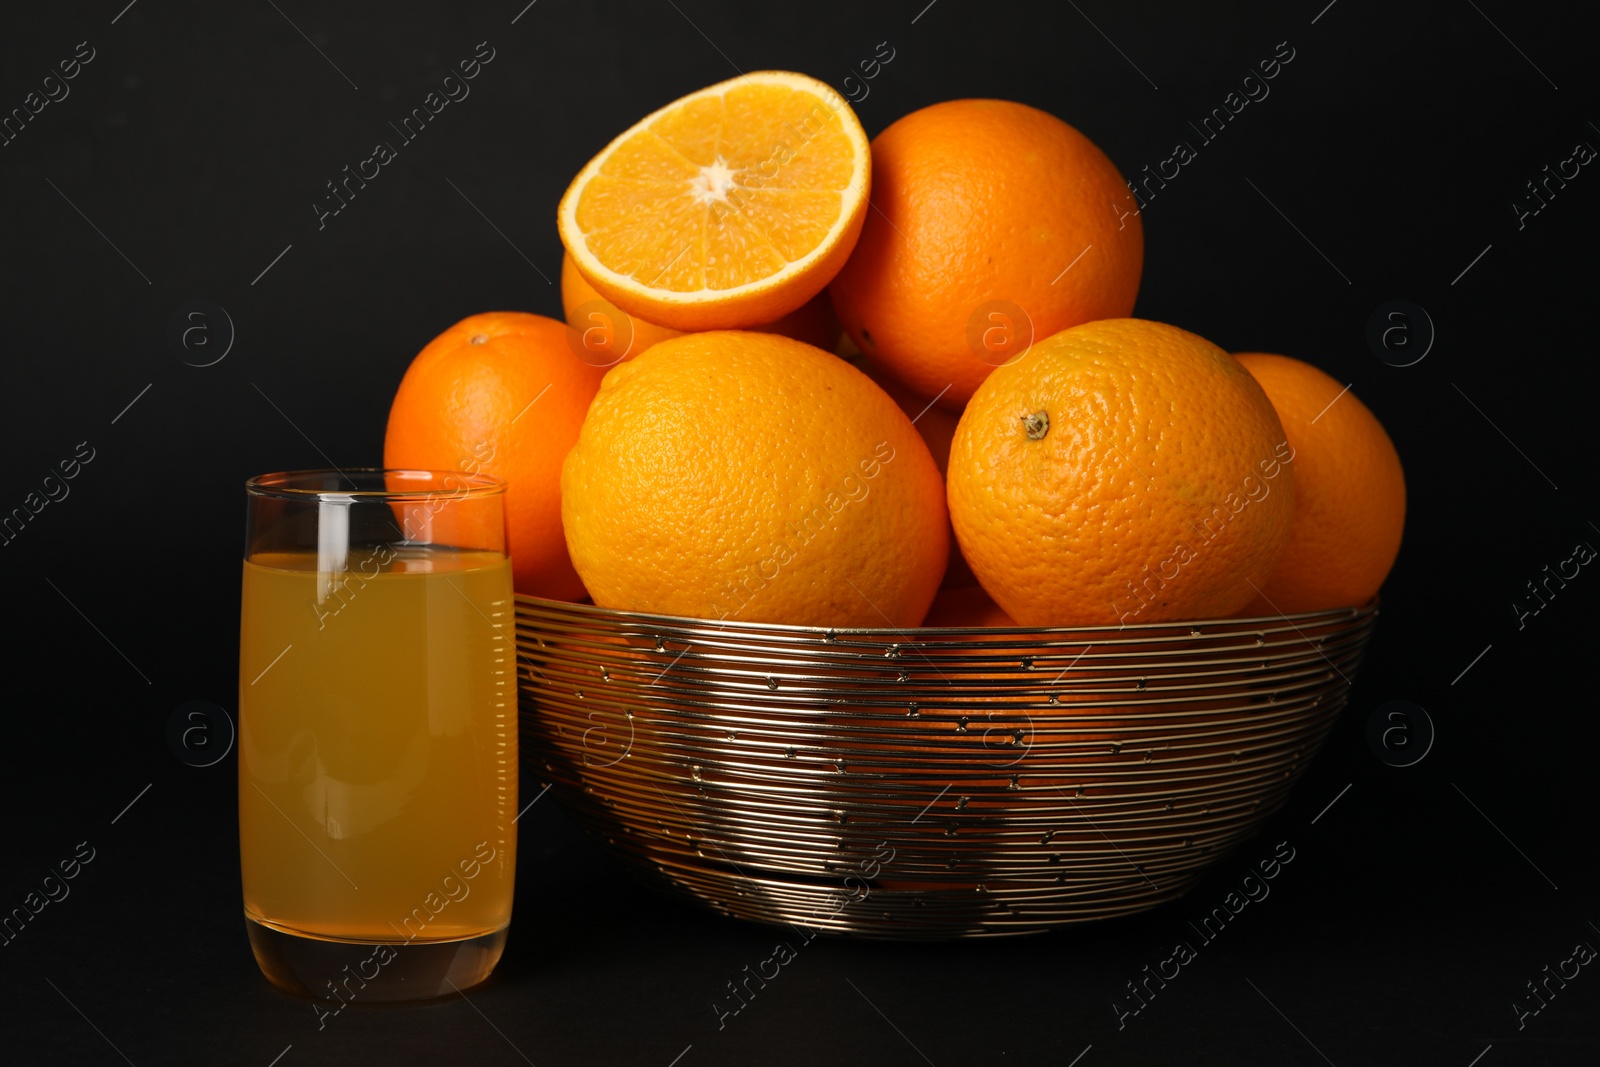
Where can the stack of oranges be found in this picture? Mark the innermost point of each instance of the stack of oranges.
(807, 378)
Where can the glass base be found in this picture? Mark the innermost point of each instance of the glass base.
(372, 972)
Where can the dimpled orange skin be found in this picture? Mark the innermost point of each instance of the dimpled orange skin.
(1350, 492)
(507, 405)
(980, 200)
(1158, 441)
(752, 477)
(813, 322)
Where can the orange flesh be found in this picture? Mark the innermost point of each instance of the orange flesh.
(720, 192)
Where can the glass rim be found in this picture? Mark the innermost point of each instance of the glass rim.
(454, 485)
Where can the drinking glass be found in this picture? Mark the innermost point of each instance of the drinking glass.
(377, 732)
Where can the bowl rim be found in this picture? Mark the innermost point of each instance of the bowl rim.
(1323, 617)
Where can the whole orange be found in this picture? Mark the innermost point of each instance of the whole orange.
(604, 334)
(995, 224)
(1124, 471)
(501, 393)
(1350, 493)
(751, 477)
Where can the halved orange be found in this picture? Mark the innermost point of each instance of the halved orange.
(725, 209)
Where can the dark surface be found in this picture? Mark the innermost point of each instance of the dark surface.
(197, 139)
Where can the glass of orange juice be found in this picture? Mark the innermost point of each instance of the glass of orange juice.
(377, 733)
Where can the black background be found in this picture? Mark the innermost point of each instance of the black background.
(187, 157)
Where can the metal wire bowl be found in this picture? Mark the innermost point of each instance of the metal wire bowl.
(926, 784)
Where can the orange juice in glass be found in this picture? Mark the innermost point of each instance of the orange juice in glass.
(377, 732)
